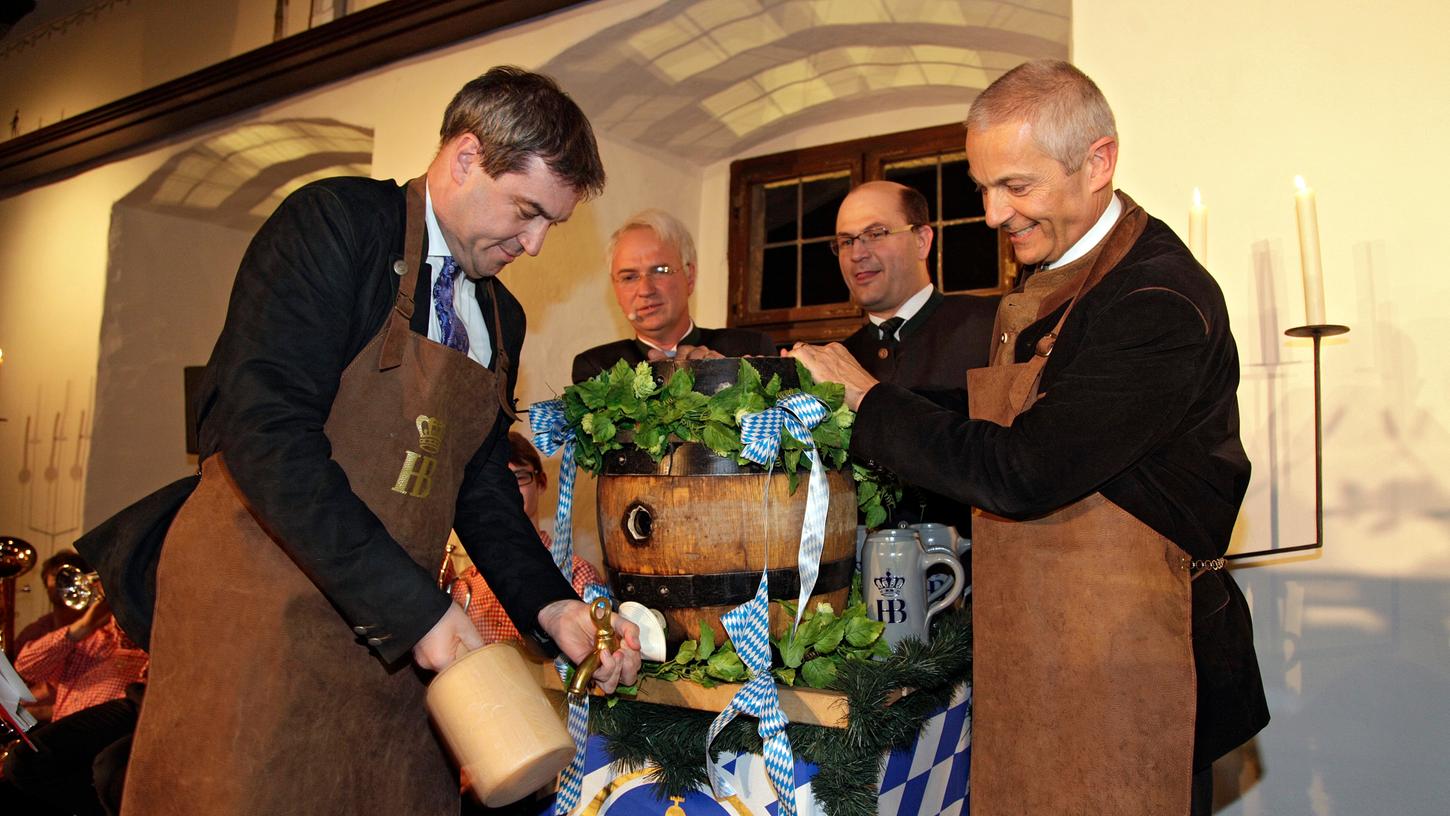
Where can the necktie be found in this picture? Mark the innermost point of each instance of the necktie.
(888, 329)
(455, 336)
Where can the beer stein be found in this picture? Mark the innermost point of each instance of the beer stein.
(893, 583)
(494, 717)
(940, 538)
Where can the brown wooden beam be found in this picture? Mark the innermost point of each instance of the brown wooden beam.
(345, 47)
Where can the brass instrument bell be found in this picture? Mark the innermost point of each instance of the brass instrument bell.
(77, 589)
(17, 557)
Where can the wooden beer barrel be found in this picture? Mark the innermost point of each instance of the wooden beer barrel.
(688, 535)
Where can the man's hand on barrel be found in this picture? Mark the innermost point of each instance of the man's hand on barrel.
(572, 628)
(452, 637)
(834, 363)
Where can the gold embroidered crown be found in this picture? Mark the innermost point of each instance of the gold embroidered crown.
(430, 433)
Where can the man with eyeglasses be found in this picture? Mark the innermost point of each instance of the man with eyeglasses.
(915, 336)
(652, 266)
(472, 592)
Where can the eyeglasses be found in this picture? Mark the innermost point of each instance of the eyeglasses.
(524, 477)
(868, 236)
(631, 277)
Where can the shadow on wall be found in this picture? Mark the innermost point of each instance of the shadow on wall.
(175, 243)
(1355, 670)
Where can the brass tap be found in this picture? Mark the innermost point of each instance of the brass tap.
(603, 640)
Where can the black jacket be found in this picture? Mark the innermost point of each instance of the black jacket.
(949, 335)
(313, 289)
(1138, 404)
(729, 342)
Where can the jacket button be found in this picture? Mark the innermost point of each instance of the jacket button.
(1004, 338)
(375, 642)
(883, 353)
(400, 268)
(359, 630)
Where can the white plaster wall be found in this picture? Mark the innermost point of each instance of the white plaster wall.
(56, 65)
(1234, 97)
(55, 245)
(1237, 97)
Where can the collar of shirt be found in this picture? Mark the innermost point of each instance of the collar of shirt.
(670, 351)
(465, 293)
(908, 308)
(1093, 236)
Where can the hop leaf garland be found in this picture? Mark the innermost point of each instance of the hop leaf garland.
(628, 406)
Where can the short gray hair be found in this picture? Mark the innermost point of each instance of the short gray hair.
(1065, 108)
(666, 227)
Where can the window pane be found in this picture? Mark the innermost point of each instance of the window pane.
(780, 212)
(971, 256)
(821, 280)
(920, 176)
(820, 199)
(777, 278)
(959, 197)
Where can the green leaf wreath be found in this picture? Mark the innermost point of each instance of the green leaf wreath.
(628, 406)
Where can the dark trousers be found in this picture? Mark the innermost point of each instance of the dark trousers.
(1202, 801)
(57, 777)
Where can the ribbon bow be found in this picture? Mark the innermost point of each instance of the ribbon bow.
(551, 432)
(760, 434)
(749, 628)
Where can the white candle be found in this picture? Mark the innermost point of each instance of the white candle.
(1309, 253)
(1198, 229)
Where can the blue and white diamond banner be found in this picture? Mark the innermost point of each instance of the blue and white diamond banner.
(929, 778)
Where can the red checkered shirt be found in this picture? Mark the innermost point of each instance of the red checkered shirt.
(91, 672)
(487, 613)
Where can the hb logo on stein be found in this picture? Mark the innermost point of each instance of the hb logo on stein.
(890, 606)
(416, 477)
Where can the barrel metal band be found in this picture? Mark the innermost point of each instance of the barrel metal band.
(722, 588)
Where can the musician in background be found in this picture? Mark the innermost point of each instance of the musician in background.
(99, 679)
(473, 593)
(59, 616)
(88, 662)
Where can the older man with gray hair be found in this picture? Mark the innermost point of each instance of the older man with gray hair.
(1114, 656)
(652, 266)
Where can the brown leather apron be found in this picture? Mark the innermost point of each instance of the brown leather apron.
(1083, 683)
(261, 701)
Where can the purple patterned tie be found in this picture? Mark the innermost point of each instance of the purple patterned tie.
(455, 336)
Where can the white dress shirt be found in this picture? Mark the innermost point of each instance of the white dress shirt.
(908, 309)
(1093, 236)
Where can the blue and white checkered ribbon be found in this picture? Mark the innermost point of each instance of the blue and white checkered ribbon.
(571, 779)
(760, 434)
(749, 628)
(551, 432)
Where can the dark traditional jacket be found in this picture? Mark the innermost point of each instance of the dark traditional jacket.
(728, 342)
(314, 287)
(936, 347)
(1138, 403)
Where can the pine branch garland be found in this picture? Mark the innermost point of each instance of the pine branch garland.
(849, 760)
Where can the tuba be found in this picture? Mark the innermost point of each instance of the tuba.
(77, 589)
(17, 556)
